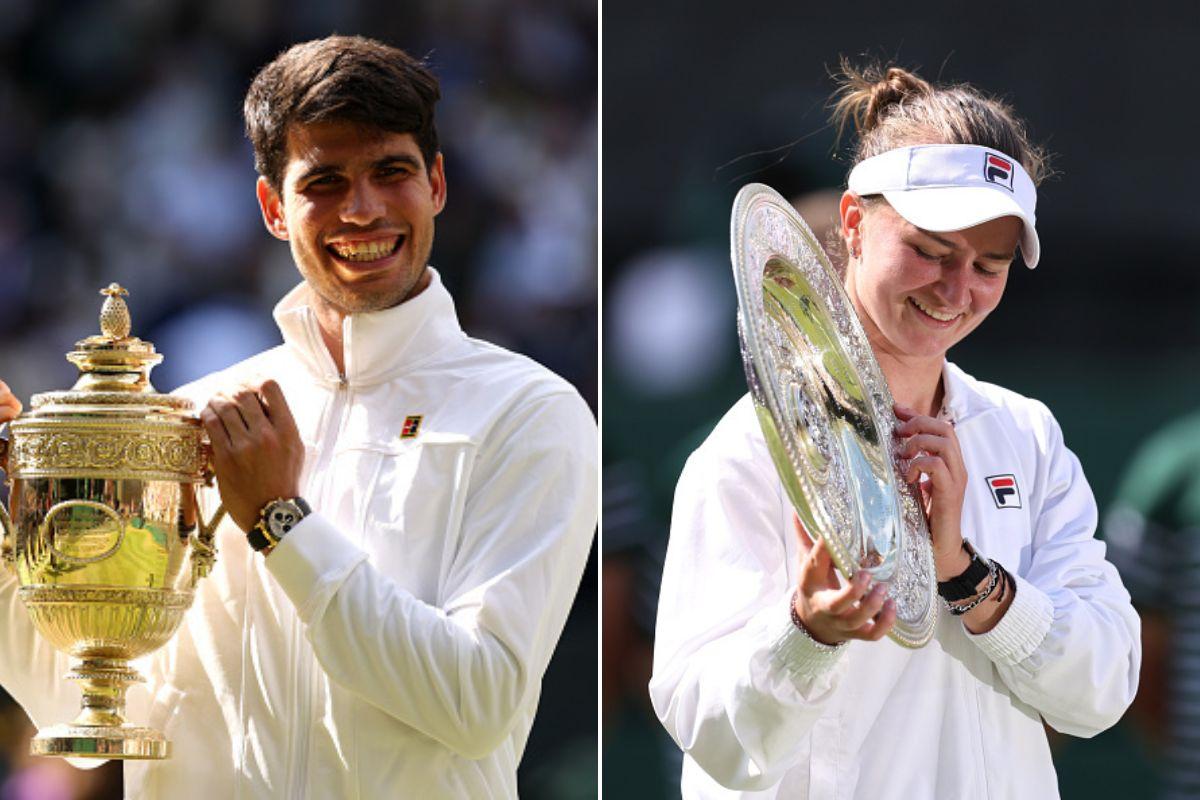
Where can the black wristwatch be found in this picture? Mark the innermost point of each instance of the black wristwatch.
(967, 584)
(275, 520)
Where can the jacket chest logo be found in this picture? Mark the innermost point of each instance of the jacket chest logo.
(412, 425)
(1004, 490)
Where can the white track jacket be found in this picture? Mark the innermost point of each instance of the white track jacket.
(761, 713)
(393, 644)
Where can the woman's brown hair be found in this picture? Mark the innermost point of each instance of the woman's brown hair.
(892, 107)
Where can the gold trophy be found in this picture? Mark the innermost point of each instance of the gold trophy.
(103, 530)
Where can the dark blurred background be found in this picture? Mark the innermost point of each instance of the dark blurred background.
(701, 97)
(122, 159)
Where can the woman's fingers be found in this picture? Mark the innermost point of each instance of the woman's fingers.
(833, 610)
(929, 443)
(806, 542)
(855, 610)
(855, 616)
(875, 629)
(860, 614)
(934, 466)
(815, 570)
(838, 601)
(922, 424)
(932, 449)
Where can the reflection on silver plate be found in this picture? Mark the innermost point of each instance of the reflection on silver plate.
(825, 409)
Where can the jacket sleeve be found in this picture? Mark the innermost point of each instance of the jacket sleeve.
(735, 683)
(460, 673)
(31, 670)
(1070, 643)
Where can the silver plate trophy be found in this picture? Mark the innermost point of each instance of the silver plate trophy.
(825, 409)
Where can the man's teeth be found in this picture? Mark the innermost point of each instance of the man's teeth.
(365, 251)
(943, 316)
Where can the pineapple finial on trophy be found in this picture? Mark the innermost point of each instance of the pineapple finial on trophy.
(114, 314)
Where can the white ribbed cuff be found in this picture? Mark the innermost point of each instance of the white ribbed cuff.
(311, 562)
(795, 651)
(1022, 628)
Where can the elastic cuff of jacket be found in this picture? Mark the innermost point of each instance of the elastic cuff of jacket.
(797, 653)
(1022, 628)
(311, 562)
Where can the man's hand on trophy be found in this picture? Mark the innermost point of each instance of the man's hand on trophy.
(10, 406)
(257, 451)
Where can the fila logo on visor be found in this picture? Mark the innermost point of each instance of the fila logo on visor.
(998, 170)
(1004, 491)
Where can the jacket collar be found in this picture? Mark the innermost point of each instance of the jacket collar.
(963, 397)
(378, 344)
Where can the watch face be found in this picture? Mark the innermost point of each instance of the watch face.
(282, 517)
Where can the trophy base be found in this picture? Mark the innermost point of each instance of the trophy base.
(101, 741)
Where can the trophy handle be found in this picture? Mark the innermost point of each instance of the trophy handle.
(204, 546)
(206, 539)
(208, 530)
(7, 554)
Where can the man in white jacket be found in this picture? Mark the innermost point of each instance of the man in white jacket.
(411, 509)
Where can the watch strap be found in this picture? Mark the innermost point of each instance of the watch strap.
(258, 537)
(967, 583)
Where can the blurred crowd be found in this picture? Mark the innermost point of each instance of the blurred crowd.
(122, 158)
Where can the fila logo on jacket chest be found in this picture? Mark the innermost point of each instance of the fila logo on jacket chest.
(411, 427)
(1004, 490)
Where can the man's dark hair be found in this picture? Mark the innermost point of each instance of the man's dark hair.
(339, 79)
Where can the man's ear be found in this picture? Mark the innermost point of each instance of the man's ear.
(272, 209)
(437, 181)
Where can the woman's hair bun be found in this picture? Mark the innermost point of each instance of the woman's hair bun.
(866, 93)
(890, 90)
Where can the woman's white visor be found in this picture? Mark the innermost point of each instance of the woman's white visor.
(950, 187)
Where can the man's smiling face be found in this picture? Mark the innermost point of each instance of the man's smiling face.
(357, 206)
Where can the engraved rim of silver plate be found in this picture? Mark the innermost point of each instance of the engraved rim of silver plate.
(764, 228)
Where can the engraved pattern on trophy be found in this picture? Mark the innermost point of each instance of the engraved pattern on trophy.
(102, 449)
(103, 528)
(826, 412)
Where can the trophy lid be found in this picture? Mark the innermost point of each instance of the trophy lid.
(114, 369)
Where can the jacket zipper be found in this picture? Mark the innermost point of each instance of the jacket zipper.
(304, 686)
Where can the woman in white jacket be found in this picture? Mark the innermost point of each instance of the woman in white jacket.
(769, 671)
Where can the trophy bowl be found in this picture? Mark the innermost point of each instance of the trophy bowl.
(103, 530)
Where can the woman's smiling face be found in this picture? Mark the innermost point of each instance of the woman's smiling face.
(918, 292)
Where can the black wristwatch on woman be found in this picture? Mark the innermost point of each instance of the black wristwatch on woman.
(966, 584)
